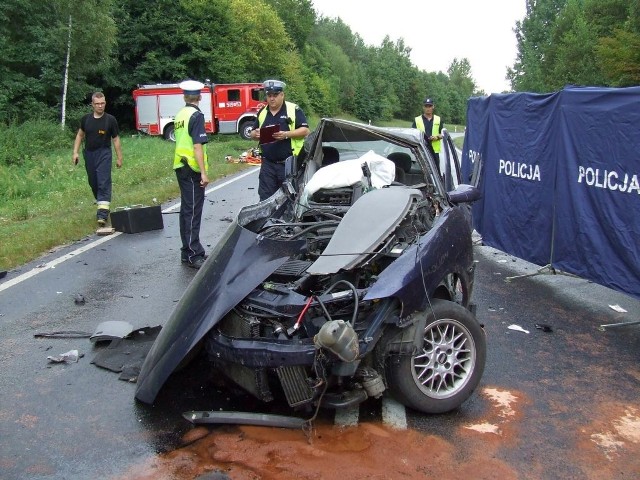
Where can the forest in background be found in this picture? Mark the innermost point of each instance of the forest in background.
(56, 53)
(577, 42)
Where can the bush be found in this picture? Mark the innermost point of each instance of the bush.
(20, 143)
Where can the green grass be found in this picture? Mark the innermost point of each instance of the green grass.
(46, 200)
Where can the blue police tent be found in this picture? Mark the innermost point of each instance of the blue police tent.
(560, 178)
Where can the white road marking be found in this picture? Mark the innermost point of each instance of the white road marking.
(52, 264)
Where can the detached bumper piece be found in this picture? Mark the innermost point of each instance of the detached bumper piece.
(243, 418)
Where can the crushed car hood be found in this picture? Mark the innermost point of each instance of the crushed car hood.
(241, 261)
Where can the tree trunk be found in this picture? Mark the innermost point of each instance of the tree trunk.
(66, 76)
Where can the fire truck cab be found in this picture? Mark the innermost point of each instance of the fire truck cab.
(227, 108)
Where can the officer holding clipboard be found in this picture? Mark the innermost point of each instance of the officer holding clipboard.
(280, 128)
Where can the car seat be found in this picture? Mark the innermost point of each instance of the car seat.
(402, 161)
(330, 155)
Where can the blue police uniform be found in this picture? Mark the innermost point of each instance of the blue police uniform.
(274, 154)
(187, 172)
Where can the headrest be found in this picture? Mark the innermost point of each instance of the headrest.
(402, 160)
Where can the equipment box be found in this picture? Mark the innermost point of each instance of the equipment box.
(137, 219)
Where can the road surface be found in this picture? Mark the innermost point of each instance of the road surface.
(552, 404)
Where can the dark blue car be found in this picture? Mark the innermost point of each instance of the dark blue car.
(354, 280)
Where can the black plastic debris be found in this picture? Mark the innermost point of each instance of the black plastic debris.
(544, 327)
(126, 355)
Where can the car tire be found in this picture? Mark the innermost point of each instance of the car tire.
(441, 375)
(169, 133)
(245, 129)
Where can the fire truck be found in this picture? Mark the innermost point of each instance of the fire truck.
(227, 108)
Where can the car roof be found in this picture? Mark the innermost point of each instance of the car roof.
(339, 130)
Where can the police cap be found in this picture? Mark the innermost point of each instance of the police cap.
(428, 101)
(191, 87)
(273, 86)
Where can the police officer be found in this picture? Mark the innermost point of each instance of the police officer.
(293, 127)
(190, 164)
(432, 126)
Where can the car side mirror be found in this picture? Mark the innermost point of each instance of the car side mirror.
(464, 194)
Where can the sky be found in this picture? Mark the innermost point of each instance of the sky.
(439, 31)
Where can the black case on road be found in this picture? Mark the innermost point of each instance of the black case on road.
(137, 219)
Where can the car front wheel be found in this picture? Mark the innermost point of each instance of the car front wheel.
(441, 375)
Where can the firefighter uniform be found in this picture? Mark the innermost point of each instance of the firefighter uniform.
(288, 118)
(189, 130)
(98, 159)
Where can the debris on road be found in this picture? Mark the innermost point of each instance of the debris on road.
(111, 329)
(63, 334)
(71, 356)
(517, 328)
(544, 327)
(617, 308)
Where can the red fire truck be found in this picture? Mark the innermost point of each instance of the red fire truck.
(227, 108)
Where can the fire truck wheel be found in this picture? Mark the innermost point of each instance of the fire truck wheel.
(245, 129)
(169, 133)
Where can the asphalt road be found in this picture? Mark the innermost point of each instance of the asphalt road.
(552, 404)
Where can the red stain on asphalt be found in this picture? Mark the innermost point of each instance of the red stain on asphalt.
(610, 445)
(368, 451)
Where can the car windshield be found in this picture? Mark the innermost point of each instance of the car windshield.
(351, 150)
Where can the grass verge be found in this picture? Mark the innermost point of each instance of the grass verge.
(46, 200)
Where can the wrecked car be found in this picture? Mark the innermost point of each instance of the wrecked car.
(353, 281)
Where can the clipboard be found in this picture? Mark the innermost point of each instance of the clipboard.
(266, 134)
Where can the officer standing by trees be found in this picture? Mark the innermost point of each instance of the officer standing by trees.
(190, 164)
(98, 130)
(431, 125)
(293, 127)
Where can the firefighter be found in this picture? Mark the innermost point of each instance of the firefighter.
(98, 130)
(286, 141)
(432, 126)
(190, 164)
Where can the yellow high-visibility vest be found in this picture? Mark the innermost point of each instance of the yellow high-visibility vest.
(296, 143)
(184, 142)
(434, 131)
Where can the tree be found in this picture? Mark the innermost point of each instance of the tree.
(570, 57)
(298, 17)
(533, 36)
(34, 50)
(619, 54)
